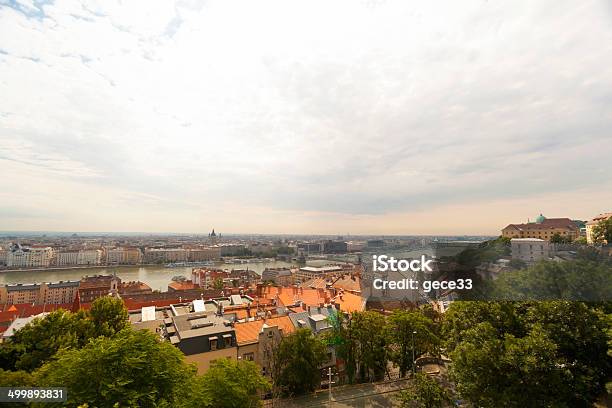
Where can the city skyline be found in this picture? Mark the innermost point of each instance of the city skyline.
(271, 118)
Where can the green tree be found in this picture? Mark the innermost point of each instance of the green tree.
(38, 341)
(424, 392)
(297, 363)
(231, 384)
(551, 353)
(558, 239)
(132, 369)
(367, 330)
(602, 232)
(407, 329)
(218, 283)
(109, 316)
(491, 371)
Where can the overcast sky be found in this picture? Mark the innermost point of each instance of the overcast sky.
(336, 117)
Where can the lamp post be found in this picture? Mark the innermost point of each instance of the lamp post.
(413, 359)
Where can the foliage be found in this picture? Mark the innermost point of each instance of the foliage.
(231, 384)
(558, 239)
(488, 251)
(425, 392)
(218, 284)
(602, 232)
(369, 337)
(528, 353)
(406, 329)
(297, 361)
(109, 316)
(548, 280)
(132, 369)
(38, 341)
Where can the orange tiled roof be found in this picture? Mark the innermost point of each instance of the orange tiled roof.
(182, 285)
(249, 332)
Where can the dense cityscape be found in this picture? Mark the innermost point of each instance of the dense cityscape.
(238, 315)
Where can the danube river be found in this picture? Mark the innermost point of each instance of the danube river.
(157, 277)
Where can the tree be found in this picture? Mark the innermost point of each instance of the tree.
(558, 239)
(38, 341)
(407, 329)
(367, 331)
(551, 353)
(297, 363)
(231, 384)
(109, 316)
(218, 283)
(425, 392)
(491, 371)
(602, 232)
(132, 369)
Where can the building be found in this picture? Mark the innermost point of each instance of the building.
(133, 288)
(20, 293)
(256, 340)
(591, 225)
(123, 256)
(89, 257)
(93, 287)
(59, 292)
(530, 249)
(203, 254)
(67, 258)
(2, 256)
(543, 228)
(335, 247)
(201, 335)
(279, 276)
(231, 249)
(162, 255)
(308, 272)
(33, 257)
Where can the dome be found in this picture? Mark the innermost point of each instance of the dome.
(540, 219)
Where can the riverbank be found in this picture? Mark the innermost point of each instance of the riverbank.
(156, 276)
(70, 268)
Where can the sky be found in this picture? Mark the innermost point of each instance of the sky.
(327, 117)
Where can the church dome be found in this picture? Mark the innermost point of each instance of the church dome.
(540, 219)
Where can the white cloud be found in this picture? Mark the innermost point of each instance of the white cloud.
(175, 112)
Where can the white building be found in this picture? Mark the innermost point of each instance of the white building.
(66, 258)
(89, 257)
(530, 249)
(35, 257)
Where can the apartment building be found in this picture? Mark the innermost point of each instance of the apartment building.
(204, 254)
(39, 293)
(201, 335)
(67, 258)
(59, 292)
(161, 255)
(32, 257)
(2, 256)
(256, 340)
(123, 256)
(89, 257)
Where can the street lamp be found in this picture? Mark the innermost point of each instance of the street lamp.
(413, 359)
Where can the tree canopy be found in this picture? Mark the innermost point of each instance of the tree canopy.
(297, 363)
(133, 369)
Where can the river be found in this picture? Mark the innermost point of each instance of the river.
(157, 277)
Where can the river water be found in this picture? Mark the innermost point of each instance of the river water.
(157, 277)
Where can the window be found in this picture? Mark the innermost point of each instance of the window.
(212, 343)
(248, 356)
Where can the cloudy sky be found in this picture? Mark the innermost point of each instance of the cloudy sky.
(381, 117)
